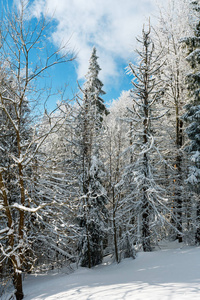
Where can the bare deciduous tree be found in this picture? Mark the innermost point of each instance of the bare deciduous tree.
(22, 65)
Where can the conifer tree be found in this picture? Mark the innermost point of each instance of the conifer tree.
(93, 87)
(143, 201)
(192, 114)
(93, 197)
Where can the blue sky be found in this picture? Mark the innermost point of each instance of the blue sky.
(109, 25)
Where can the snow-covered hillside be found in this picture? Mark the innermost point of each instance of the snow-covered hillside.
(166, 274)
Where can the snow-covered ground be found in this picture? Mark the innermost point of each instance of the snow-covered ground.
(166, 274)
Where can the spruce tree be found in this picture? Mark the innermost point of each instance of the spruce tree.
(192, 114)
(93, 87)
(93, 197)
(143, 197)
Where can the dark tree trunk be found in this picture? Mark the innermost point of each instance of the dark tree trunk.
(146, 242)
(89, 250)
(197, 234)
(18, 286)
(115, 228)
(178, 201)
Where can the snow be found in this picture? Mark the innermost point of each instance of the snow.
(164, 274)
(32, 210)
(5, 229)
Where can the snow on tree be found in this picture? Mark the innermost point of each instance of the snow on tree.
(115, 142)
(93, 197)
(21, 202)
(93, 87)
(192, 114)
(92, 216)
(52, 180)
(173, 24)
(143, 202)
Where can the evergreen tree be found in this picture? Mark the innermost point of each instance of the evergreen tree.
(143, 197)
(93, 88)
(192, 114)
(93, 197)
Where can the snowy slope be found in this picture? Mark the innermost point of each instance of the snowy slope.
(165, 274)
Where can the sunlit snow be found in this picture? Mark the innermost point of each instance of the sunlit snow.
(167, 274)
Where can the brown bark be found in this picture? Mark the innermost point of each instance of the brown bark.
(17, 277)
(18, 286)
(178, 201)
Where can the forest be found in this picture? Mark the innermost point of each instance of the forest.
(86, 179)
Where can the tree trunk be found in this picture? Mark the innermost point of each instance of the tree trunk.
(146, 243)
(178, 201)
(115, 229)
(89, 251)
(17, 278)
(197, 233)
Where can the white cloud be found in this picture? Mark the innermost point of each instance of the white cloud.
(110, 25)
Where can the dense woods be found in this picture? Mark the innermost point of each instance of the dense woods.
(84, 181)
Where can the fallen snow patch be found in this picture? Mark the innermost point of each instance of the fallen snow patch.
(164, 274)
